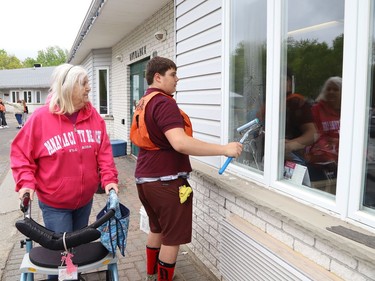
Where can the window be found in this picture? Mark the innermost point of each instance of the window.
(103, 91)
(27, 96)
(15, 96)
(247, 85)
(331, 90)
(368, 197)
(310, 97)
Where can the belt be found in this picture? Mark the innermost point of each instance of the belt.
(163, 178)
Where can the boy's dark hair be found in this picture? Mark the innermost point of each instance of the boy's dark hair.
(158, 65)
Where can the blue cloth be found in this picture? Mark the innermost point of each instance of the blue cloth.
(115, 231)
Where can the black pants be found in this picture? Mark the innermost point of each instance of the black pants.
(3, 120)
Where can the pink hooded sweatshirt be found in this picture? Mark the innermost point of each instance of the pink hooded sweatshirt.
(61, 161)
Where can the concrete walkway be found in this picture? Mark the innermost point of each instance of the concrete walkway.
(131, 267)
(9, 203)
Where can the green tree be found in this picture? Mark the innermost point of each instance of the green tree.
(9, 61)
(312, 63)
(51, 56)
(29, 62)
(238, 68)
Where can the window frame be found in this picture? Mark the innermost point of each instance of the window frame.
(358, 124)
(28, 94)
(38, 96)
(347, 203)
(15, 95)
(98, 89)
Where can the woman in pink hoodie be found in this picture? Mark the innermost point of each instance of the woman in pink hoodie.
(63, 152)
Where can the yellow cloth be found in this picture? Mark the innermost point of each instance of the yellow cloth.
(184, 193)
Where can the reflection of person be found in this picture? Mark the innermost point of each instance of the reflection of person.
(62, 153)
(18, 111)
(3, 120)
(299, 125)
(163, 167)
(25, 112)
(326, 114)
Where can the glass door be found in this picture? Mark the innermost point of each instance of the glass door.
(138, 86)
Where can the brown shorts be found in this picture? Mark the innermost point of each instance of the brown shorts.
(165, 212)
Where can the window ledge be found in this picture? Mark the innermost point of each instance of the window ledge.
(286, 209)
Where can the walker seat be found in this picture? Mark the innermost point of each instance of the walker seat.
(82, 255)
(46, 258)
(87, 257)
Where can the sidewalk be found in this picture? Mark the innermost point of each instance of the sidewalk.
(132, 266)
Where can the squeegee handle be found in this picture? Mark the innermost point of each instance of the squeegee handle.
(222, 169)
(229, 159)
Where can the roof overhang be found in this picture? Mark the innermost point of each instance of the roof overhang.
(107, 22)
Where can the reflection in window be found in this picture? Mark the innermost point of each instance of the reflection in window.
(103, 91)
(248, 76)
(311, 101)
(135, 90)
(369, 186)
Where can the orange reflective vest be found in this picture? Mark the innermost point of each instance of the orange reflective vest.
(301, 99)
(138, 131)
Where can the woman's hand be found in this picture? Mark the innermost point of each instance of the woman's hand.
(25, 190)
(110, 186)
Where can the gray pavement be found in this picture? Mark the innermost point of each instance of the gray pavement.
(131, 267)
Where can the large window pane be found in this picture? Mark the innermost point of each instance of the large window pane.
(103, 91)
(248, 76)
(369, 186)
(311, 92)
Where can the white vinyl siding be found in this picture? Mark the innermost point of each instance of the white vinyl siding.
(199, 62)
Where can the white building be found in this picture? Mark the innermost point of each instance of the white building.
(253, 222)
(29, 84)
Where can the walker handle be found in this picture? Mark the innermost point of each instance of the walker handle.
(222, 169)
(109, 214)
(25, 202)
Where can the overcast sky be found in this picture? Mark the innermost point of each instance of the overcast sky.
(28, 26)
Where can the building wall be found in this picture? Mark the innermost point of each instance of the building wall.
(101, 58)
(97, 59)
(195, 41)
(142, 36)
(199, 62)
(294, 225)
(89, 66)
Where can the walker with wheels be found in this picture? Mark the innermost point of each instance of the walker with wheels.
(59, 251)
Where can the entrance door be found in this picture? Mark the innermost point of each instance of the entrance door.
(138, 85)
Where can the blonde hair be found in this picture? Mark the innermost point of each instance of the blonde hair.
(64, 79)
(334, 80)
